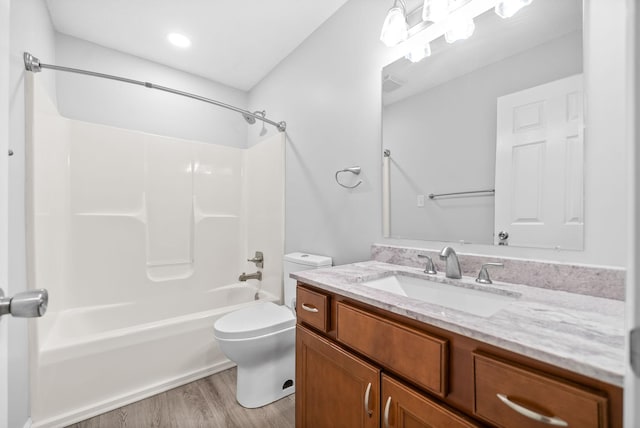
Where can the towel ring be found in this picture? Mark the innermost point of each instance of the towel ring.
(354, 170)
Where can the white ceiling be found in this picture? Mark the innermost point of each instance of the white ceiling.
(234, 42)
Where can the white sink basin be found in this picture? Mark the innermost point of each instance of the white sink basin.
(477, 302)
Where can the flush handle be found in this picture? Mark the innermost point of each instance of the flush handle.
(30, 304)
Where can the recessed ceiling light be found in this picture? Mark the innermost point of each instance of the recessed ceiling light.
(179, 40)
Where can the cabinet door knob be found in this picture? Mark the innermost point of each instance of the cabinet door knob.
(531, 414)
(367, 394)
(309, 308)
(386, 412)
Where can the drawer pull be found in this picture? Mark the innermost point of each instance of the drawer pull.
(309, 308)
(531, 414)
(386, 412)
(367, 394)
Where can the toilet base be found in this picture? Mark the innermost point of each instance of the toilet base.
(262, 384)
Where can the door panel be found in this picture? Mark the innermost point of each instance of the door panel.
(539, 166)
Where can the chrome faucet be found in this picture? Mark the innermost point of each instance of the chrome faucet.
(452, 268)
(429, 268)
(245, 276)
(483, 275)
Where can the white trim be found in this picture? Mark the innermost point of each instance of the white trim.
(27, 424)
(632, 309)
(4, 203)
(87, 412)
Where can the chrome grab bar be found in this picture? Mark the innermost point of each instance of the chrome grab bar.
(309, 308)
(549, 420)
(367, 394)
(471, 192)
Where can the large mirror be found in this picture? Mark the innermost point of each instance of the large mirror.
(485, 136)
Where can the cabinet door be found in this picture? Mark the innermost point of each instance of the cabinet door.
(334, 388)
(404, 407)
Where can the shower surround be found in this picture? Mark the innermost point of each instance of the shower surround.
(140, 240)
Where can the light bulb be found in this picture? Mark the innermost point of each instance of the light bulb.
(179, 40)
(508, 8)
(418, 53)
(394, 29)
(435, 10)
(460, 27)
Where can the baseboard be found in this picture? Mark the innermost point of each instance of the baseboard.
(81, 414)
(27, 424)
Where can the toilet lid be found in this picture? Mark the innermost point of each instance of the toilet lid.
(256, 320)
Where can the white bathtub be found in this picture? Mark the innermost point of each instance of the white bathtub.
(95, 359)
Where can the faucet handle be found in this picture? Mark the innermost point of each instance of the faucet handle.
(430, 268)
(483, 275)
(258, 259)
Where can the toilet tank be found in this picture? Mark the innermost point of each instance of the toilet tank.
(296, 262)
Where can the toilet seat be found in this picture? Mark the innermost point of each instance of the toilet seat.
(257, 320)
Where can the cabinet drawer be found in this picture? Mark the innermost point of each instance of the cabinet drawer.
(408, 352)
(312, 308)
(405, 407)
(530, 393)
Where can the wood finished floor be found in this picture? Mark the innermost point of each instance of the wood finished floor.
(209, 402)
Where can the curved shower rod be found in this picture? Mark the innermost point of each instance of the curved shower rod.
(33, 64)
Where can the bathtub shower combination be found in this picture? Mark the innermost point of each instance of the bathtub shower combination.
(140, 240)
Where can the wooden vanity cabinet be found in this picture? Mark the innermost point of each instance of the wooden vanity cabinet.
(404, 407)
(424, 376)
(336, 389)
(407, 351)
(312, 308)
(504, 391)
(333, 387)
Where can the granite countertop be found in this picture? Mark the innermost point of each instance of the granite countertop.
(580, 333)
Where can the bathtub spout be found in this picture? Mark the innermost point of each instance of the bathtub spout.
(257, 275)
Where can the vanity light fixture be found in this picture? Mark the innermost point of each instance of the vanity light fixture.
(435, 10)
(179, 40)
(452, 19)
(418, 53)
(508, 8)
(395, 28)
(460, 27)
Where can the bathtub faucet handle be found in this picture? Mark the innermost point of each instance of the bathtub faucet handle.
(258, 259)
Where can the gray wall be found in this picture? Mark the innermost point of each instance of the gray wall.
(31, 30)
(432, 153)
(328, 91)
(139, 108)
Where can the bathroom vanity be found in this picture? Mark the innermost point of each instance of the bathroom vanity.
(371, 358)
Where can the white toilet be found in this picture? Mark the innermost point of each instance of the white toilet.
(261, 340)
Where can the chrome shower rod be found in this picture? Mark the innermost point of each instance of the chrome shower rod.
(33, 64)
